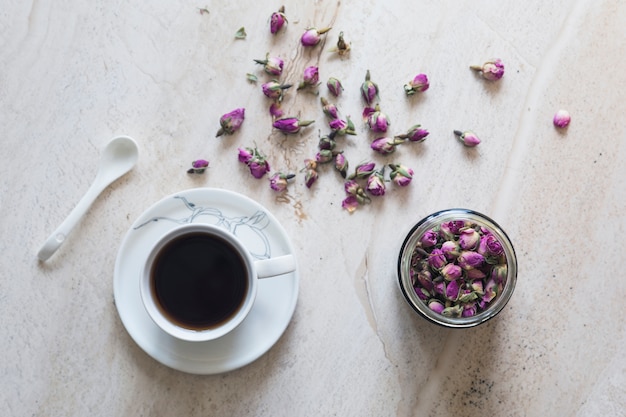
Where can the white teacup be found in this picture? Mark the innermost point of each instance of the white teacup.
(199, 281)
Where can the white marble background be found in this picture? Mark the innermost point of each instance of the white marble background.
(73, 74)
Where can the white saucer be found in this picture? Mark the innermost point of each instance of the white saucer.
(276, 298)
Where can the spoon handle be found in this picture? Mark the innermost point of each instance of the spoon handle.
(57, 237)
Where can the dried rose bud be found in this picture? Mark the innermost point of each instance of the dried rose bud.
(310, 164)
(271, 65)
(436, 306)
(291, 125)
(276, 110)
(451, 229)
(385, 146)
(499, 273)
(278, 20)
(469, 310)
(278, 181)
(231, 122)
(428, 239)
(415, 134)
(469, 239)
(342, 47)
(310, 177)
(439, 287)
(363, 170)
(452, 290)
(311, 36)
(341, 164)
(245, 155)
(198, 166)
(451, 272)
(376, 184)
(468, 138)
(490, 246)
(327, 142)
(475, 274)
(310, 77)
(419, 84)
(334, 86)
(491, 291)
(369, 89)
(324, 156)
(256, 162)
(273, 89)
(477, 286)
(561, 119)
(425, 279)
(376, 119)
(469, 260)
(342, 127)
(400, 174)
(436, 259)
(491, 70)
(450, 249)
(329, 109)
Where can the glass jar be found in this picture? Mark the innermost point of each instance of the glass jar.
(457, 268)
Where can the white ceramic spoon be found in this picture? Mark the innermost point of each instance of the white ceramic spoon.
(118, 157)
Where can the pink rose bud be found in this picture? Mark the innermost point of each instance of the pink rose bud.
(468, 138)
(245, 155)
(376, 119)
(273, 89)
(469, 310)
(341, 164)
(271, 65)
(428, 239)
(369, 89)
(451, 229)
(278, 181)
(415, 134)
(198, 166)
(401, 175)
(436, 306)
(324, 156)
(327, 142)
(418, 85)
(469, 239)
(376, 184)
(450, 249)
(385, 146)
(231, 122)
(561, 119)
(363, 170)
(450, 272)
(342, 127)
(469, 260)
(276, 110)
(436, 259)
(452, 290)
(290, 125)
(329, 109)
(425, 279)
(310, 177)
(311, 36)
(310, 78)
(334, 86)
(259, 168)
(277, 20)
(491, 70)
(491, 291)
(499, 273)
(490, 246)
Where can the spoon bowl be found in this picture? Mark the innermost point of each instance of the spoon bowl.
(119, 156)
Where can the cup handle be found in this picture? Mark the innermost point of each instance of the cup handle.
(266, 268)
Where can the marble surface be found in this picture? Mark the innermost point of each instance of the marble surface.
(74, 74)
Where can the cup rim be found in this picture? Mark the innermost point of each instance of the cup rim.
(419, 306)
(191, 335)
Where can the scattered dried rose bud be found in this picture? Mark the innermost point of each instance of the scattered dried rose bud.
(363, 170)
(231, 122)
(241, 33)
(291, 125)
(245, 155)
(376, 183)
(385, 146)
(310, 77)
(271, 65)
(415, 134)
(400, 174)
(376, 119)
(277, 20)
(342, 127)
(329, 109)
(278, 181)
(324, 156)
(327, 142)
(491, 70)
(342, 47)
(468, 138)
(310, 176)
(341, 164)
(561, 119)
(369, 89)
(273, 89)
(198, 166)
(256, 162)
(276, 110)
(311, 36)
(419, 84)
(334, 86)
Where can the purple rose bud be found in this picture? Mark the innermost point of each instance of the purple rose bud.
(198, 166)
(490, 246)
(422, 293)
(469, 239)
(369, 89)
(245, 155)
(499, 273)
(452, 290)
(278, 181)
(439, 287)
(384, 146)
(310, 78)
(271, 65)
(451, 229)
(475, 274)
(450, 249)
(415, 134)
(491, 291)
(469, 310)
(324, 155)
(341, 164)
(278, 20)
(363, 170)
(290, 125)
(477, 286)
(334, 86)
(310, 177)
(418, 85)
(561, 119)
(376, 184)
(400, 174)
(491, 70)
(258, 168)
(311, 36)
(327, 142)
(351, 187)
(436, 306)
(375, 119)
(276, 110)
(425, 279)
(337, 125)
(469, 260)
(468, 138)
(436, 259)
(450, 272)
(274, 90)
(350, 203)
(329, 109)
(428, 239)
(231, 122)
